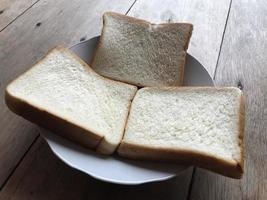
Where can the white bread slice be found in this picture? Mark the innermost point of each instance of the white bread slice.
(63, 94)
(195, 126)
(138, 52)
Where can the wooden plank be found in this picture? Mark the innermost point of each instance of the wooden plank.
(11, 9)
(243, 63)
(42, 27)
(53, 180)
(35, 179)
(208, 18)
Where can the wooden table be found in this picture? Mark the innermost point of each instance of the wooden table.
(229, 39)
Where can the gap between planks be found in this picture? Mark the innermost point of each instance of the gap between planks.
(19, 15)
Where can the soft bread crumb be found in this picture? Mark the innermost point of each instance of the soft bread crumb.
(204, 120)
(140, 53)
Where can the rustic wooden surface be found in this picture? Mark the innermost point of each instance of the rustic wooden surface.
(243, 63)
(35, 179)
(238, 40)
(11, 9)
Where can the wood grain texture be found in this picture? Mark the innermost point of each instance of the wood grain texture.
(11, 9)
(47, 24)
(208, 17)
(35, 179)
(243, 63)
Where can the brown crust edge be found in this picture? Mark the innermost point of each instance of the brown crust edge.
(185, 50)
(145, 23)
(242, 131)
(140, 21)
(98, 43)
(52, 122)
(233, 169)
(183, 157)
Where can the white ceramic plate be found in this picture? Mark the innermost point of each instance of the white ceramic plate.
(113, 168)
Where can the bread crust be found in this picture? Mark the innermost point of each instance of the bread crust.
(232, 169)
(145, 24)
(184, 157)
(52, 122)
(45, 118)
(185, 49)
(241, 126)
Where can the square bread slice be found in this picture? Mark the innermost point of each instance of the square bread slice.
(138, 52)
(63, 94)
(195, 126)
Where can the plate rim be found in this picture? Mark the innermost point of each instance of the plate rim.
(108, 180)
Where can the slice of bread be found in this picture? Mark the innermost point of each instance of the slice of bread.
(138, 52)
(196, 126)
(63, 94)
